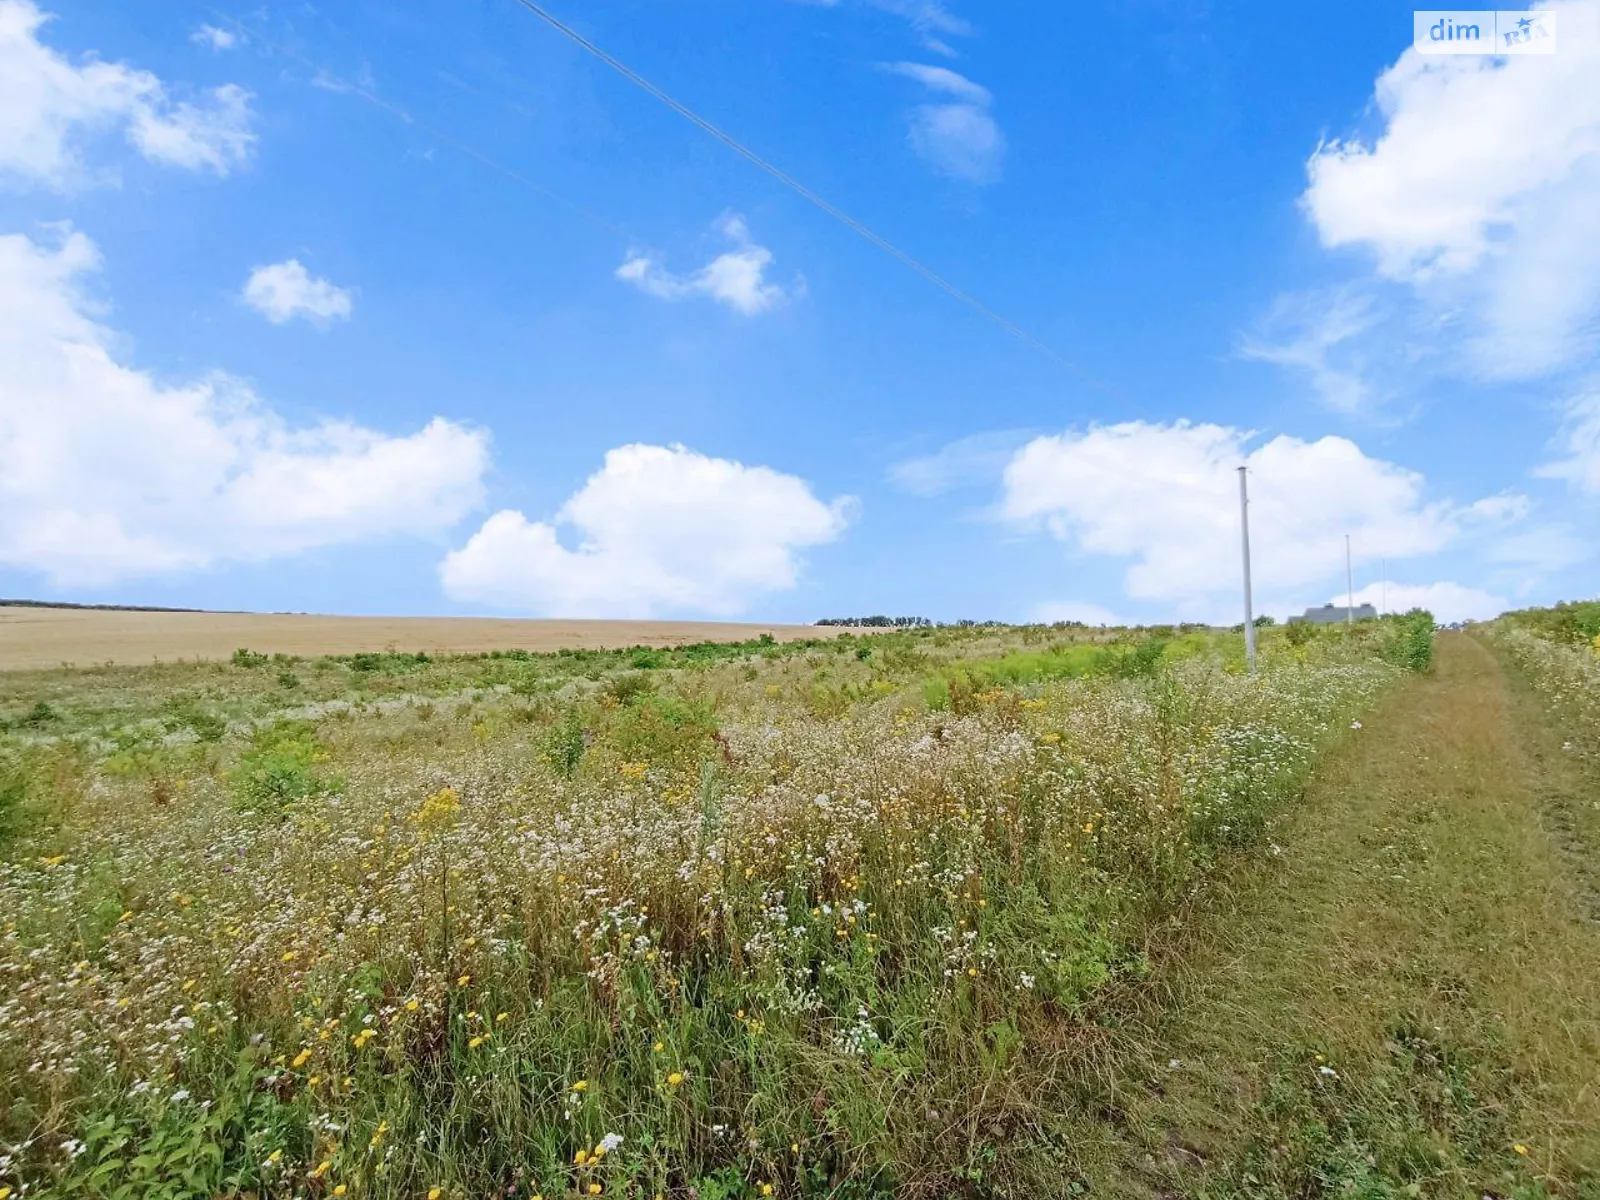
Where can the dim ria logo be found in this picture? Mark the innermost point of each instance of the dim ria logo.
(1487, 32)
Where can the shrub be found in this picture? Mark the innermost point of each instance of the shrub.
(283, 766)
(1412, 645)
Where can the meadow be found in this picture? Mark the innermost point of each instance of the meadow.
(825, 918)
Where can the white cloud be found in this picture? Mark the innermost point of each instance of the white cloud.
(658, 530)
(286, 290)
(957, 137)
(736, 278)
(931, 21)
(1166, 496)
(1483, 191)
(48, 106)
(1052, 611)
(217, 39)
(942, 79)
(1319, 334)
(111, 474)
(1579, 443)
(1446, 601)
(978, 459)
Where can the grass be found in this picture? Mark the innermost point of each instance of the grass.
(715, 922)
(1405, 1005)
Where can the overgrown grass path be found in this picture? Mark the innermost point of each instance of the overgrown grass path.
(1406, 1004)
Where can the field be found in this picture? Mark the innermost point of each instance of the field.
(951, 912)
(36, 637)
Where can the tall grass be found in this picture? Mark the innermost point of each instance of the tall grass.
(766, 924)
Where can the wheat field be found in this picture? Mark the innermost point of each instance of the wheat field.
(32, 638)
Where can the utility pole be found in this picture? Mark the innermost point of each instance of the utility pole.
(1350, 586)
(1244, 533)
(1383, 572)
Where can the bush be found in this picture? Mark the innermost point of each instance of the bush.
(1412, 646)
(283, 766)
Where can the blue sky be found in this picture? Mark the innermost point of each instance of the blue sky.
(267, 343)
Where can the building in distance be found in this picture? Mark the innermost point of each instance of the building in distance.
(1331, 614)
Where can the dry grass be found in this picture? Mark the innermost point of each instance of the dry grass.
(32, 638)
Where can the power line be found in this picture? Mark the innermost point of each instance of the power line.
(326, 78)
(807, 194)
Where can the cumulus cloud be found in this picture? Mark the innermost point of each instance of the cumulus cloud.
(957, 136)
(216, 39)
(286, 290)
(1446, 601)
(111, 474)
(658, 529)
(736, 277)
(1482, 191)
(48, 106)
(1166, 497)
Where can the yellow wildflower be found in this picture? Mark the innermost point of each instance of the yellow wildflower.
(675, 1078)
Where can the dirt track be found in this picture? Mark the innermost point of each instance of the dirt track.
(49, 637)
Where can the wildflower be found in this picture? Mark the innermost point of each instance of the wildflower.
(322, 1168)
(300, 1059)
(314, 1080)
(411, 1006)
(581, 1086)
(434, 1193)
(464, 980)
(288, 956)
(675, 1079)
(766, 1189)
(127, 916)
(580, 1158)
(595, 1189)
(1519, 1148)
(659, 1047)
(607, 1144)
(340, 1190)
(377, 1134)
(275, 1156)
(5, 1193)
(475, 1042)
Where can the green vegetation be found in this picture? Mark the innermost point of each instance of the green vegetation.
(918, 914)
